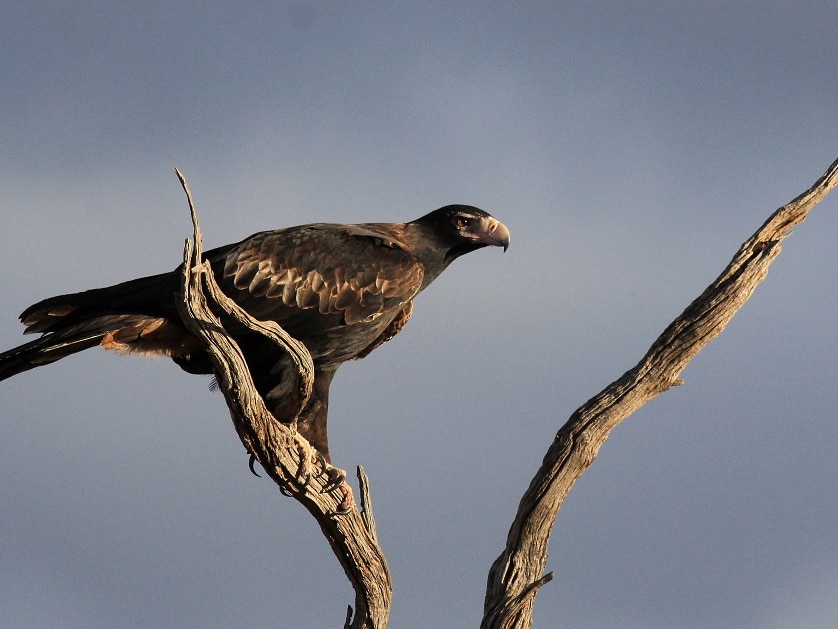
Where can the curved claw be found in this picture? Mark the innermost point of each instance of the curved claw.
(324, 465)
(285, 492)
(250, 465)
(323, 470)
(335, 476)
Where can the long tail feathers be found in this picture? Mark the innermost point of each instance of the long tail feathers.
(75, 322)
(45, 350)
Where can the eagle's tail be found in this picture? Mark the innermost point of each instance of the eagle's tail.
(45, 350)
(133, 316)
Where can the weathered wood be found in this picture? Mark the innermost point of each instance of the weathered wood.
(516, 574)
(284, 454)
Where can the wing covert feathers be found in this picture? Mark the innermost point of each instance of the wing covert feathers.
(276, 273)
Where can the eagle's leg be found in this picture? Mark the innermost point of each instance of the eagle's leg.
(308, 456)
(309, 428)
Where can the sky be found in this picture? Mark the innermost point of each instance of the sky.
(630, 149)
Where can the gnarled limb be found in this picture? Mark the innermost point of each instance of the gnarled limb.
(282, 452)
(517, 573)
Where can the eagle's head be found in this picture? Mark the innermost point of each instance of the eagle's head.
(464, 228)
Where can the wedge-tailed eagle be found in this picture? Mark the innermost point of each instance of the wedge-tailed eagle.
(342, 290)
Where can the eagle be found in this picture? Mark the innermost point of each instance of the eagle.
(341, 290)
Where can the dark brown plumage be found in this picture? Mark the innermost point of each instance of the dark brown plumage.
(342, 290)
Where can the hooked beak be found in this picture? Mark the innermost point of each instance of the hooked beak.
(495, 234)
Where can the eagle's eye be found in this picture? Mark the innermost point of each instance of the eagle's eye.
(463, 221)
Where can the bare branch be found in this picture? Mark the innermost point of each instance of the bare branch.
(279, 448)
(366, 503)
(516, 573)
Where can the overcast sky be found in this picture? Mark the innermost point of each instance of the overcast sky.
(630, 150)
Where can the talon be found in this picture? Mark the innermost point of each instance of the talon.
(250, 465)
(322, 470)
(285, 492)
(336, 479)
(304, 478)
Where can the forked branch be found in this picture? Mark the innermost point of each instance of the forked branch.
(517, 573)
(284, 454)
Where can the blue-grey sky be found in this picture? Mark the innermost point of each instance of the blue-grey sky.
(630, 148)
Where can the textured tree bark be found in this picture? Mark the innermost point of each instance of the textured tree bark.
(516, 574)
(286, 456)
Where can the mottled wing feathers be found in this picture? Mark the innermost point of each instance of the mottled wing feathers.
(350, 271)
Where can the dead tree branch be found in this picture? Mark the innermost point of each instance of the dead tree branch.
(517, 573)
(286, 457)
